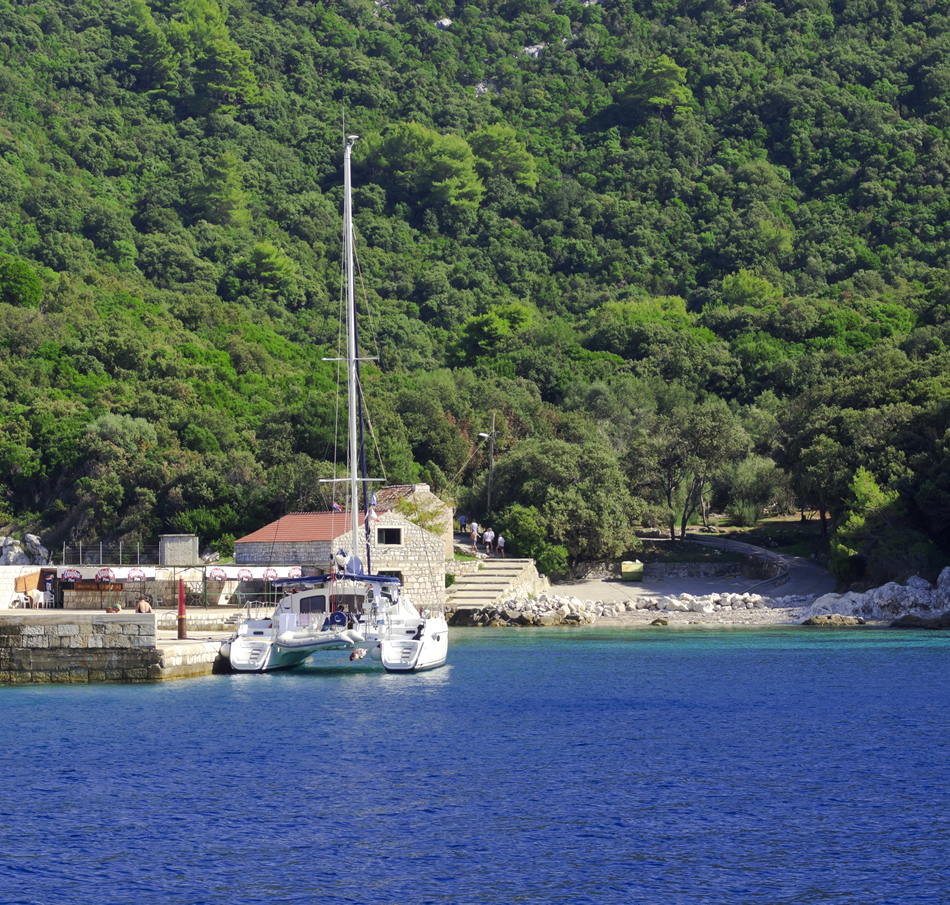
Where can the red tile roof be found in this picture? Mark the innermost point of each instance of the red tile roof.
(301, 527)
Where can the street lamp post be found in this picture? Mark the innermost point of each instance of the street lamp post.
(491, 456)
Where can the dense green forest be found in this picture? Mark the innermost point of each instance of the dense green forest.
(689, 254)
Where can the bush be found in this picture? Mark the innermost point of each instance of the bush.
(525, 535)
(224, 546)
(743, 515)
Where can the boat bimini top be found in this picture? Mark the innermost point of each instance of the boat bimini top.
(338, 576)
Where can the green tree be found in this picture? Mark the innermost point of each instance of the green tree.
(749, 487)
(127, 433)
(220, 196)
(20, 285)
(661, 85)
(745, 288)
(224, 74)
(869, 512)
(423, 167)
(221, 70)
(526, 536)
(499, 152)
(485, 334)
(156, 62)
(271, 269)
(677, 455)
(578, 491)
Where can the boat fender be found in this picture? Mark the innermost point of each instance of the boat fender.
(376, 654)
(225, 649)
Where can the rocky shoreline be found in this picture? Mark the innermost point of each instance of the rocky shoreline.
(553, 610)
(917, 604)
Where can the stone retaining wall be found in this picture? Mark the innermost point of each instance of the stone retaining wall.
(754, 566)
(459, 567)
(55, 646)
(654, 570)
(764, 565)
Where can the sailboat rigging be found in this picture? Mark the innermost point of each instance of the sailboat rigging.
(374, 615)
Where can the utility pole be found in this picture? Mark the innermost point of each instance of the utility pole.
(491, 456)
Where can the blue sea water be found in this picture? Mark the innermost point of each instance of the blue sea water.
(539, 766)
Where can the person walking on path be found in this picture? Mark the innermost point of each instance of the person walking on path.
(474, 537)
(500, 545)
(461, 524)
(488, 537)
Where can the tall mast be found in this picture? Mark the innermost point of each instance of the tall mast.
(351, 354)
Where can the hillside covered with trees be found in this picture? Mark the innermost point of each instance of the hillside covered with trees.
(689, 254)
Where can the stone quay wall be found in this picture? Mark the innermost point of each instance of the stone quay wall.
(53, 646)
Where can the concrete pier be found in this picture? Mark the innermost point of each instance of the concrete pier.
(59, 646)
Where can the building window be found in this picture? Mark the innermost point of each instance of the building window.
(389, 537)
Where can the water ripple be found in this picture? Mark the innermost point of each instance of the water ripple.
(567, 766)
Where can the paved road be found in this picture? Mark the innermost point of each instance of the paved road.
(806, 578)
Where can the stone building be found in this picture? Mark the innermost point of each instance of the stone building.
(397, 544)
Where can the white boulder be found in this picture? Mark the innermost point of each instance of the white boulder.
(14, 556)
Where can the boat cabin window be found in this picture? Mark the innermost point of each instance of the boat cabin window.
(389, 537)
(315, 604)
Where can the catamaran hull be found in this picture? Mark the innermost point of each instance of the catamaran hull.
(417, 654)
(265, 655)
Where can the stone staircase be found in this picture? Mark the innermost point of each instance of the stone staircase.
(495, 579)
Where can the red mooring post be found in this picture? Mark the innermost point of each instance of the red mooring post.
(182, 618)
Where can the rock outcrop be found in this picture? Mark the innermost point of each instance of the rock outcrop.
(890, 601)
(28, 552)
(834, 621)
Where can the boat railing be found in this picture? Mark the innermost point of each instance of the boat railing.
(255, 608)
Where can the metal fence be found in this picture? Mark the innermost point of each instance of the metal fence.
(108, 555)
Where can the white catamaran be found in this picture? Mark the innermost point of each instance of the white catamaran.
(345, 609)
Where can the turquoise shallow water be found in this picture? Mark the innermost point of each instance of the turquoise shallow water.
(539, 766)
